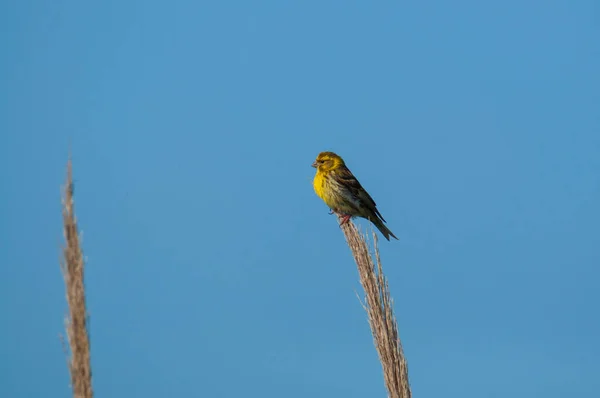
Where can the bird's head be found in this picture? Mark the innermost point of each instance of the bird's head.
(327, 161)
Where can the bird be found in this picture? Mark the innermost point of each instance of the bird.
(335, 184)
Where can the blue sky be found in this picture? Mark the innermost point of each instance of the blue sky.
(214, 270)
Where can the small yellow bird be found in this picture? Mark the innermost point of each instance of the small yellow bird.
(341, 191)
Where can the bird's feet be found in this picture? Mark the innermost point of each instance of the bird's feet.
(345, 219)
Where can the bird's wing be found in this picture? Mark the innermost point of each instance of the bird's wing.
(348, 180)
(346, 177)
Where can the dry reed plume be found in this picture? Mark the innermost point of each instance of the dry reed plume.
(72, 265)
(378, 305)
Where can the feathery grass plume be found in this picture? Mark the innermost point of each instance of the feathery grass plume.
(378, 305)
(72, 266)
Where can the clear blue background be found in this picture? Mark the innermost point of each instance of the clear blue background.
(215, 271)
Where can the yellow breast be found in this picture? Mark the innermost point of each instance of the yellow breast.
(319, 185)
(325, 191)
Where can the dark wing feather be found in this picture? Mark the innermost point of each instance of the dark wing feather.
(345, 177)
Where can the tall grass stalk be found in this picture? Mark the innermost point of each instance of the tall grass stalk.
(76, 322)
(379, 306)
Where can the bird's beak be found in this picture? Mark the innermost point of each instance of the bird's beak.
(314, 164)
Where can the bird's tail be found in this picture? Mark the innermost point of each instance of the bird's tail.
(385, 231)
